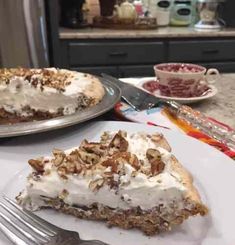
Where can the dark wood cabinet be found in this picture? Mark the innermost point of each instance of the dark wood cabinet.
(128, 57)
(97, 70)
(115, 53)
(120, 58)
(202, 51)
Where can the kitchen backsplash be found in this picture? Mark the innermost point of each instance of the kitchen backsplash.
(94, 9)
(165, 12)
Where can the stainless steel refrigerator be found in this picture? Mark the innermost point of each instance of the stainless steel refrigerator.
(23, 35)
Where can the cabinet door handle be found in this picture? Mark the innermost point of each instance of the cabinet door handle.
(210, 51)
(118, 54)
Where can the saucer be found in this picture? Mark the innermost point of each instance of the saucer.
(212, 91)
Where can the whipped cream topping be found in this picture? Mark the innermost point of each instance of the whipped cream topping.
(139, 190)
(21, 92)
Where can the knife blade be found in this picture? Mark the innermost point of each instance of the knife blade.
(134, 96)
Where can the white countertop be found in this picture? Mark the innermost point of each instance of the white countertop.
(161, 32)
(222, 105)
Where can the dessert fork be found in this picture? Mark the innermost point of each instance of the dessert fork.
(22, 227)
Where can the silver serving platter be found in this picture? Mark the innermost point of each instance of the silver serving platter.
(112, 96)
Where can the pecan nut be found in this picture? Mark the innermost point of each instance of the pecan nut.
(117, 160)
(161, 141)
(157, 167)
(154, 157)
(89, 158)
(96, 184)
(37, 164)
(119, 142)
(93, 147)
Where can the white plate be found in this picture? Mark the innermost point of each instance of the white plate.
(213, 173)
(213, 91)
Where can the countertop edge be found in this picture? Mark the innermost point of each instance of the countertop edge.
(170, 32)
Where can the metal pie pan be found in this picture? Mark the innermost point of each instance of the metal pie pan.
(112, 96)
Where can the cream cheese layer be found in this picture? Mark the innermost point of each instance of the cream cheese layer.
(21, 93)
(134, 190)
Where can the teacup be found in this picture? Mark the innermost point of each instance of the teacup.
(183, 80)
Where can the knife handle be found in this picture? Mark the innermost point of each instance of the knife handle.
(199, 121)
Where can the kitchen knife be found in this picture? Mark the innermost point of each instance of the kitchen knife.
(142, 100)
(137, 98)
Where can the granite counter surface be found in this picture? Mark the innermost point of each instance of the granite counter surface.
(163, 32)
(222, 105)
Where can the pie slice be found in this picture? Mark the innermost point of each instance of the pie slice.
(35, 94)
(126, 180)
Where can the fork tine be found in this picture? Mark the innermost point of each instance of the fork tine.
(50, 228)
(11, 236)
(41, 235)
(17, 228)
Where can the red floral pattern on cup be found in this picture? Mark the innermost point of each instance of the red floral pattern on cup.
(178, 91)
(178, 87)
(182, 80)
(180, 68)
(151, 86)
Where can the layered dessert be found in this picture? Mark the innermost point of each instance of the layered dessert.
(125, 180)
(35, 94)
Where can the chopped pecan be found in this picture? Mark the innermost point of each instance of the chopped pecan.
(75, 157)
(78, 168)
(111, 163)
(117, 160)
(58, 160)
(154, 157)
(134, 162)
(153, 154)
(58, 152)
(157, 167)
(93, 147)
(119, 142)
(105, 137)
(96, 184)
(37, 164)
(59, 157)
(161, 141)
(107, 174)
(88, 166)
(62, 172)
(111, 182)
(130, 158)
(89, 158)
(134, 173)
(146, 171)
(72, 158)
(122, 133)
(70, 167)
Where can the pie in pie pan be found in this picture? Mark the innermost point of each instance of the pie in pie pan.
(36, 94)
(129, 180)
